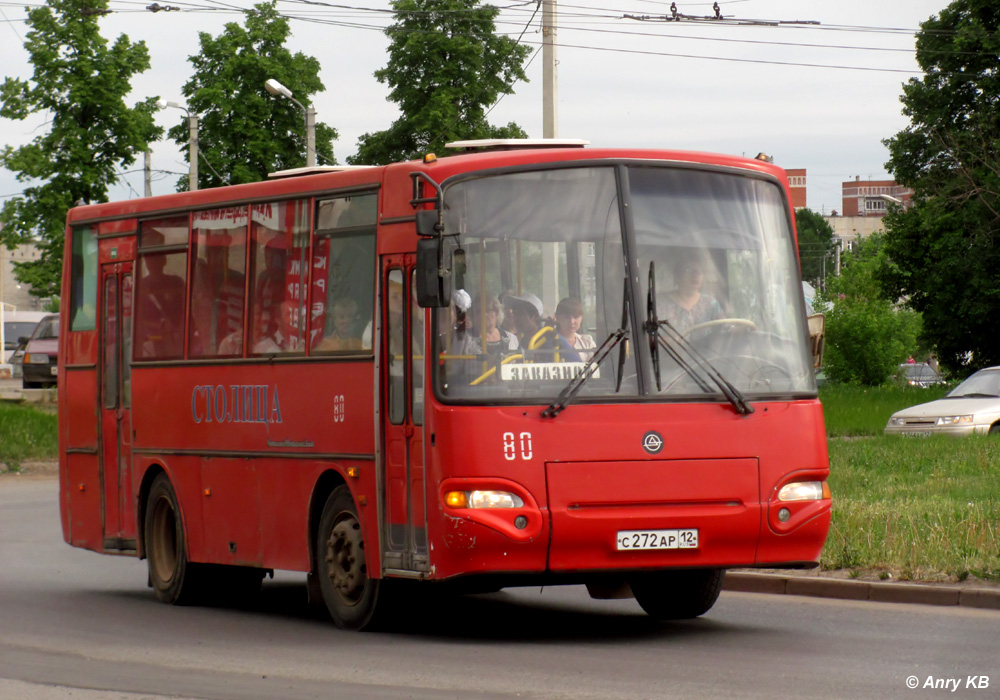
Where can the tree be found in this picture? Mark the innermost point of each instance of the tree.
(943, 253)
(446, 68)
(815, 243)
(244, 132)
(80, 83)
(866, 335)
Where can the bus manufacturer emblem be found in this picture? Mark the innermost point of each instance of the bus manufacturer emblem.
(652, 442)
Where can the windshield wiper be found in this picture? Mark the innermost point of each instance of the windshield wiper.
(734, 395)
(652, 328)
(577, 382)
(973, 395)
(657, 339)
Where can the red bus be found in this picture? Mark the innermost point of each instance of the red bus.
(529, 363)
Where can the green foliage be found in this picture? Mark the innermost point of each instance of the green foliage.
(815, 243)
(866, 335)
(446, 67)
(943, 254)
(245, 132)
(80, 83)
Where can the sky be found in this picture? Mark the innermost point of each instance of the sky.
(818, 91)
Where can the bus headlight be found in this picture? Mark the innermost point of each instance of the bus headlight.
(483, 499)
(804, 491)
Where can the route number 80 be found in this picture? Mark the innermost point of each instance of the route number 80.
(510, 444)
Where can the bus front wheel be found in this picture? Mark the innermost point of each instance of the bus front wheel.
(349, 593)
(171, 575)
(677, 595)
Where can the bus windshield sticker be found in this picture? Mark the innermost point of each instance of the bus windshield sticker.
(543, 371)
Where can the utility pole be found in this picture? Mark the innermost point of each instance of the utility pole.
(310, 136)
(147, 173)
(192, 152)
(549, 82)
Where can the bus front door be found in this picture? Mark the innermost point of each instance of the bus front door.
(116, 423)
(404, 528)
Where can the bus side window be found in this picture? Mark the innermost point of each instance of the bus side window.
(280, 239)
(417, 315)
(343, 275)
(83, 292)
(395, 321)
(159, 313)
(217, 289)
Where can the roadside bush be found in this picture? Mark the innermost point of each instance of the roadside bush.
(866, 339)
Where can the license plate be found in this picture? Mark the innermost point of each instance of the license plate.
(53, 371)
(657, 539)
(916, 433)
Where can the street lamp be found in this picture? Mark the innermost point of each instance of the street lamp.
(192, 141)
(276, 88)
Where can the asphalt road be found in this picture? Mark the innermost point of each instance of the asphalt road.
(78, 625)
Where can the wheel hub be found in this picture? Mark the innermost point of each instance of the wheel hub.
(345, 560)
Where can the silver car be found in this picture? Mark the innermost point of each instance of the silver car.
(971, 407)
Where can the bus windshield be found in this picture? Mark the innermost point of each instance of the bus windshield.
(553, 263)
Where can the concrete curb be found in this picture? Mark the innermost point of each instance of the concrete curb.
(877, 591)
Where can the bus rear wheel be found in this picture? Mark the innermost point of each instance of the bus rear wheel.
(349, 593)
(173, 578)
(677, 595)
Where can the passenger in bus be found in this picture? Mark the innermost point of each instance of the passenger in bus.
(569, 316)
(394, 296)
(161, 308)
(270, 332)
(509, 323)
(343, 337)
(534, 333)
(685, 306)
(462, 340)
(498, 340)
(271, 279)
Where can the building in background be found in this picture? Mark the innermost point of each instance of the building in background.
(872, 197)
(797, 183)
(13, 292)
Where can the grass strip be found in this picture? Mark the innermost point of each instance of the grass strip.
(26, 433)
(858, 410)
(922, 509)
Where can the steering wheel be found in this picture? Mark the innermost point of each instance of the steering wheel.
(722, 322)
(748, 373)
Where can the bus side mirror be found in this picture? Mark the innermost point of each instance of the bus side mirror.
(433, 274)
(427, 222)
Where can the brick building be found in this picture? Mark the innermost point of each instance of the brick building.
(871, 197)
(797, 183)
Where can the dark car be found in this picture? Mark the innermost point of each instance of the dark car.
(40, 365)
(919, 374)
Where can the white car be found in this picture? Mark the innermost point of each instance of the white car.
(971, 407)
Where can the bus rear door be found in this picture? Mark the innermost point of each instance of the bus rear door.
(116, 423)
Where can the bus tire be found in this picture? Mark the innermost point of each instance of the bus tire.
(341, 565)
(173, 578)
(677, 595)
